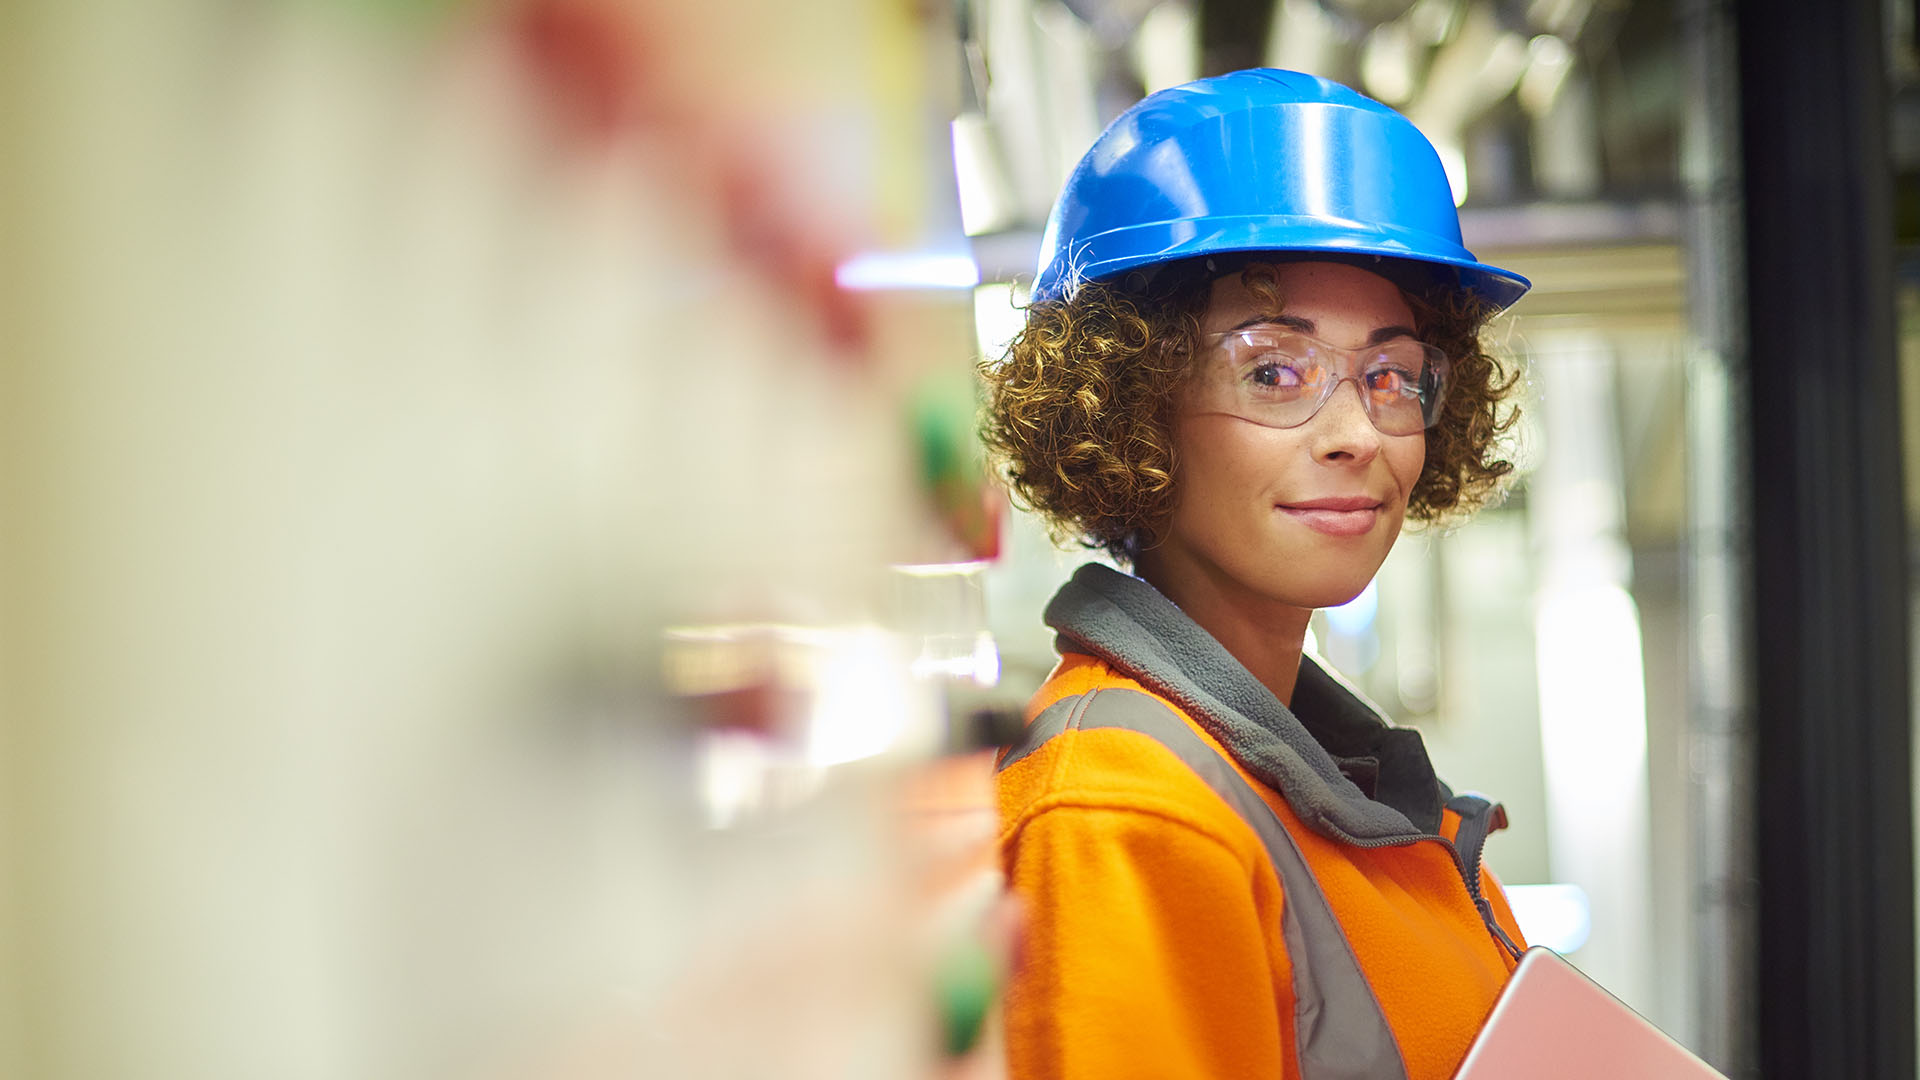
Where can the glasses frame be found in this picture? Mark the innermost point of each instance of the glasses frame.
(1434, 382)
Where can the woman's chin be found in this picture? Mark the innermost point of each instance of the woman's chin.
(1314, 595)
(1334, 600)
(1307, 585)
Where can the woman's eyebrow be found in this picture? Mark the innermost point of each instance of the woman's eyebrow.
(1306, 326)
(1388, 333)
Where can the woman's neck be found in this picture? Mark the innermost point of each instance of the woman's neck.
(1265, 635)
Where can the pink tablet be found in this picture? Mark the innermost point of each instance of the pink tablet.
(1553, 1021)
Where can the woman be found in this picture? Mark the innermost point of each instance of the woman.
(1253, 352)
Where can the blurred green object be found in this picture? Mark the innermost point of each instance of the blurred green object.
(953, 469)
(944, 408)
(965, 979)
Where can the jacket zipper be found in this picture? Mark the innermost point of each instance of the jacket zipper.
(1469, 867)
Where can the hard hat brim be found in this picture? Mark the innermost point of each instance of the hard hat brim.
(1108, 255)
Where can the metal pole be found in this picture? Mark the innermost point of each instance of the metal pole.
(1720, 717)
(1832, 700)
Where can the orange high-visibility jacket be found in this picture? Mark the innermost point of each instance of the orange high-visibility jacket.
(1219, 886)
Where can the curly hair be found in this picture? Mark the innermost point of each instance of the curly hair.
(1080, 410)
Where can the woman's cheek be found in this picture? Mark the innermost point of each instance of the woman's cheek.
(1409, 461)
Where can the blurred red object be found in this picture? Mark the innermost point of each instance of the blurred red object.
(585, 54)
(590, 57)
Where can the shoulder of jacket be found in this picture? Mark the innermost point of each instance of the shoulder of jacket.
(1102, 769)
(1077, 673)
(1106, 819)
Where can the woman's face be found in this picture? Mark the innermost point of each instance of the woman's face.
(1301, 516)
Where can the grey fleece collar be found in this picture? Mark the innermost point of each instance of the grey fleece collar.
(1128, 623)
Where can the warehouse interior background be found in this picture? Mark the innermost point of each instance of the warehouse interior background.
(497, 578)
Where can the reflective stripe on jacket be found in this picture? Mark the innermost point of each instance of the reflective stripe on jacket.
(1208, 894)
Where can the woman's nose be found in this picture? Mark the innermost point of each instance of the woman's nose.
(1342, 429)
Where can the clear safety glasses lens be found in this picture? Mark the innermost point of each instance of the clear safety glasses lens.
(1281, 378)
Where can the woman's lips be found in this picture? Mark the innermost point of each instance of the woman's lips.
(1335, 517)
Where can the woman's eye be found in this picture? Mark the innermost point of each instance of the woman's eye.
(1392, 380)
(1271, 374)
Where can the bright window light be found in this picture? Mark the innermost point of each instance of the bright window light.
(1454, 161)
(861, 704)
(907, 270)
(997, 318)
(1354, 617)
(1556, 916)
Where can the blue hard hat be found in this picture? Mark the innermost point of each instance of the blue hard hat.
(1254, 161)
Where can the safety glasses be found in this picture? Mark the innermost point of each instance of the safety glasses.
(1280, 378)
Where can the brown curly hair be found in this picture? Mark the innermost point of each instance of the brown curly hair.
(1079, 416)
